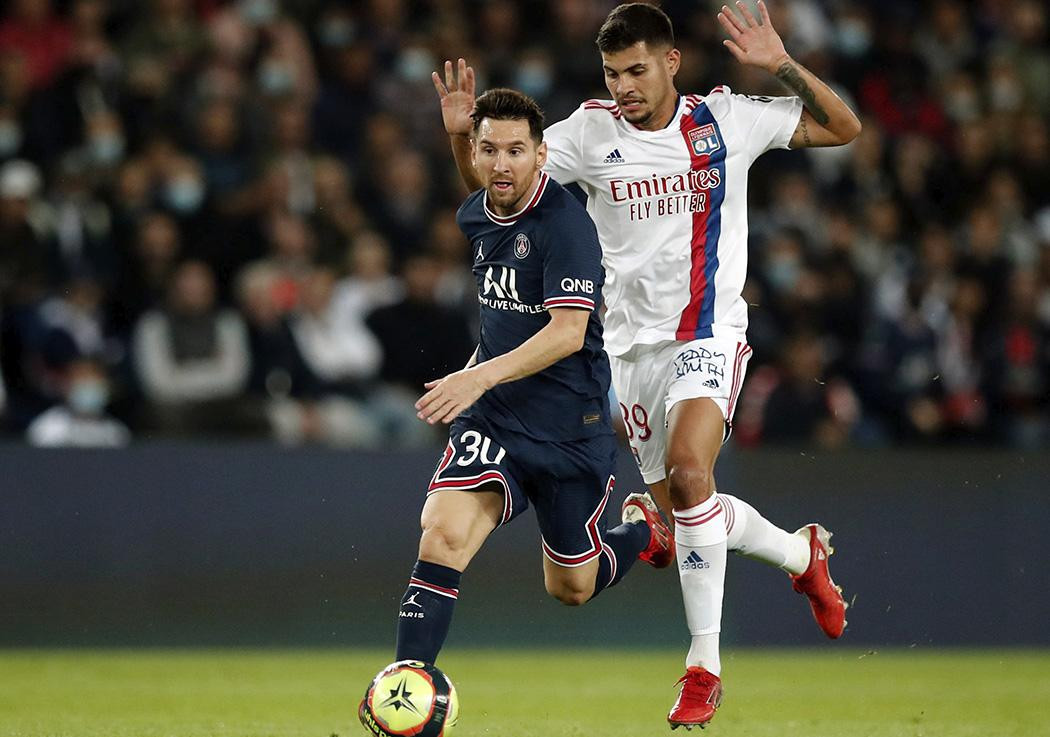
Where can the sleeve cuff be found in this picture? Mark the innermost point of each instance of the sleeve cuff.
(582, 303)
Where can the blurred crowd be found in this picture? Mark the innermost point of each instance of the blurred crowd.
(238, 218)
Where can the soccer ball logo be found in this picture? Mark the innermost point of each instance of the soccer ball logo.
(410, 699)
(521, 245)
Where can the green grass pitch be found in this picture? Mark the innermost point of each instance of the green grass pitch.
(835, 692)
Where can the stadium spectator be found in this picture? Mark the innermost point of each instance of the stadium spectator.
(269, 138)
(800, 403)
(421, 339)
(24, 274)
(81, 420)
(191, 357)
(332, 337)
(33, 31)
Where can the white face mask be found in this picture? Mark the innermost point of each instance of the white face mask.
(107, 148)
(88, 397)
(185, 194)
(258, 12)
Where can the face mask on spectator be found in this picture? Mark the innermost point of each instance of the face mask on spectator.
(854, 37)
(336, 32)
(1006, 94)
(534, 79)
(88, 397)
(962, 106)
(258, 12)
(415, 65)
(10, 137)
(106, 148)
(184, 195)
(783, 273)
(275, 78)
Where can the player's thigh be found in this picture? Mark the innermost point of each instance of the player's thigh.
(641, 382)
(476, 488)
(695, 428)
(569, 487)
(457, 523)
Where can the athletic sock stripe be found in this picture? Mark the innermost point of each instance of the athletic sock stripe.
(434, 588)
(687, 514)
(730, 513)
(696, 523)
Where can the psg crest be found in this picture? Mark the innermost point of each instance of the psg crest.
(704, 140)
(521, 245)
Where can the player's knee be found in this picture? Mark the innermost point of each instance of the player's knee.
(689, 482)
(570, 593)
(443, 543)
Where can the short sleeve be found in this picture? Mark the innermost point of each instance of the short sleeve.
(572, 262)
(564, 160)
(770, 121)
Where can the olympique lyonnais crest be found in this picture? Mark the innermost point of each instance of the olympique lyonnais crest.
(521, 245)
(704, 140)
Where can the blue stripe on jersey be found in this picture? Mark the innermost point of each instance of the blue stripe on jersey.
(702, 115)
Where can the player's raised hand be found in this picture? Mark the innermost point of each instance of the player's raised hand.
(450, 396)
(752, 41)
(457, 97)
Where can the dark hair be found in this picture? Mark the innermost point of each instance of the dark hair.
(506, 104)
(631, 23)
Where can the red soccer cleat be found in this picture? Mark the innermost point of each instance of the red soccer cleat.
(698, 700)
(825, 598)
(642, 508)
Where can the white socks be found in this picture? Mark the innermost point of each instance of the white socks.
(752, 535)
(703, 534)
(700, 535)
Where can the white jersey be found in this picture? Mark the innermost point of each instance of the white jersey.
(671, 209)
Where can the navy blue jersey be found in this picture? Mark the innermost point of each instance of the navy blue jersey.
(545, 256)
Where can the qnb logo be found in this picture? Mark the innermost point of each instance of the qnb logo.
(569, 284)
(501, 282)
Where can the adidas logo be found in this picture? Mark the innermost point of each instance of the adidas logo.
(614, 157)
(694, 562)
(711, 383)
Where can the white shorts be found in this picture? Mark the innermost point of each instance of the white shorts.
(650, 380)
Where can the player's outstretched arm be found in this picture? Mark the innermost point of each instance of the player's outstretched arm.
(457, 103)
(826, 120)
(450, 396)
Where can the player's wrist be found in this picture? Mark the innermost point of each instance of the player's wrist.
(779, 62)
(483, 376)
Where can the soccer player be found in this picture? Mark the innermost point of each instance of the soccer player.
(529, 414)
(666, 180)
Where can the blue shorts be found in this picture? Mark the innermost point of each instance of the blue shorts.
(568, 482)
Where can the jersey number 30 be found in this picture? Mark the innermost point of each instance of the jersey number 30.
(474, 445)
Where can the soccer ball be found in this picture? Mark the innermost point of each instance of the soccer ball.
(410, 699)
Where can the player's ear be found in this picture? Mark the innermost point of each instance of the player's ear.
(541, 155)
(674, 61)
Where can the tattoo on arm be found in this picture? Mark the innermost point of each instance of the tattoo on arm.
(805, 131)
(788, 74)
